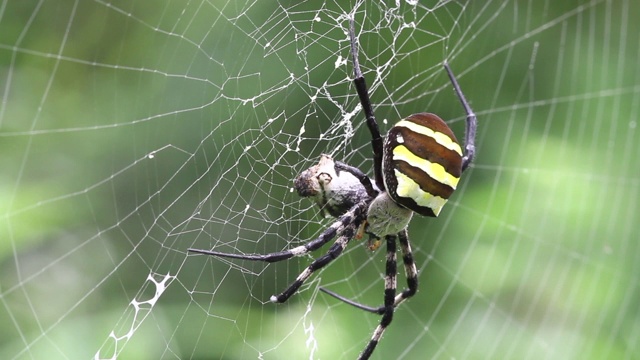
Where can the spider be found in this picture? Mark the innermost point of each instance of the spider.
(416, 168)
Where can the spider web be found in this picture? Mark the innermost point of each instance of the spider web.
(133, 130)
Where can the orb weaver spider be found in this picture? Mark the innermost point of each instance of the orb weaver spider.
(416, 168)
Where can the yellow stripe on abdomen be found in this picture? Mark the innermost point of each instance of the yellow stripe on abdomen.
(439, 137)
(408, 188)
(434, 170)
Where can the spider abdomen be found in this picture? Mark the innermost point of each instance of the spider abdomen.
(422, 163)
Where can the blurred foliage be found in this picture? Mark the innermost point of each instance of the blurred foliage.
(131, 131)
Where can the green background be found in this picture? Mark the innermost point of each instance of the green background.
(131, 131)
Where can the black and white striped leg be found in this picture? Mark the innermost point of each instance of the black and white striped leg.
(390, 282)
(354, 215)
(410, 271)
(334, 251)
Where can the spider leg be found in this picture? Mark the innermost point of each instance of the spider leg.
(334, 251)
(470, 132)
(409, 269)
(345, 226)
(411, 274)
(363, 94)
(351, 216)
(390, 282)
(371, 309)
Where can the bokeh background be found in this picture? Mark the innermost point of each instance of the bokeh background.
(133, 130)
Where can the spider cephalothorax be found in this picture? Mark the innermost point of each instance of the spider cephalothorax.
(416, 169)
